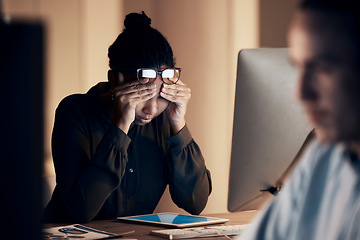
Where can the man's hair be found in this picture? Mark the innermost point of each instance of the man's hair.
(349, 6)
(139, 45)
(346, 13)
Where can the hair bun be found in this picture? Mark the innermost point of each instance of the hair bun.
(137, 20)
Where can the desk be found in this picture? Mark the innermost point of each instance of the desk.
(142, 231)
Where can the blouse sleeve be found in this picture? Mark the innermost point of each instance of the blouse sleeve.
(85, 181)
(189, 180)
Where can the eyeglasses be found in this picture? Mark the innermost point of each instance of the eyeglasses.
(168, 76)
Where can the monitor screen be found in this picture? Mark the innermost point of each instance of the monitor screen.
(22, 76)
(269, 126)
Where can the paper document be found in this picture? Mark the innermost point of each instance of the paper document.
(75, 231)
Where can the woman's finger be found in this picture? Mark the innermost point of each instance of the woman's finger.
(133, 90)
(173, 92)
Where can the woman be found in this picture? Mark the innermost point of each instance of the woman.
(117, 147)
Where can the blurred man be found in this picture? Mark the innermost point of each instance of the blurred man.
(322, 198)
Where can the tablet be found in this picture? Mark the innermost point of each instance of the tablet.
(174, 219)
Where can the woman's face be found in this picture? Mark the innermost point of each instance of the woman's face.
(146, 111)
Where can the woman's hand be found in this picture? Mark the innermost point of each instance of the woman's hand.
(179, 95)
(125, 98)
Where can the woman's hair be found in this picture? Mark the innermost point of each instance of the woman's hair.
(139, 45)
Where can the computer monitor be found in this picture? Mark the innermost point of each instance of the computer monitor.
(269, 127)
(22, 152)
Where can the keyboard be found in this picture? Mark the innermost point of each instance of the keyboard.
(193, 232)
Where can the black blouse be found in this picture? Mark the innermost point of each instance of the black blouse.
(102, 173)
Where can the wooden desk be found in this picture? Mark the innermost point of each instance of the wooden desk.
(142, 231)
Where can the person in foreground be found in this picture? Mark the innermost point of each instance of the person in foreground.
(117, 147)
(321, 200)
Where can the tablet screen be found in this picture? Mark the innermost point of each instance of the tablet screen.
(174, 219)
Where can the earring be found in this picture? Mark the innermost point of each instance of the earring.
(112, 95)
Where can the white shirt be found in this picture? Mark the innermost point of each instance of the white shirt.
(320, 201)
